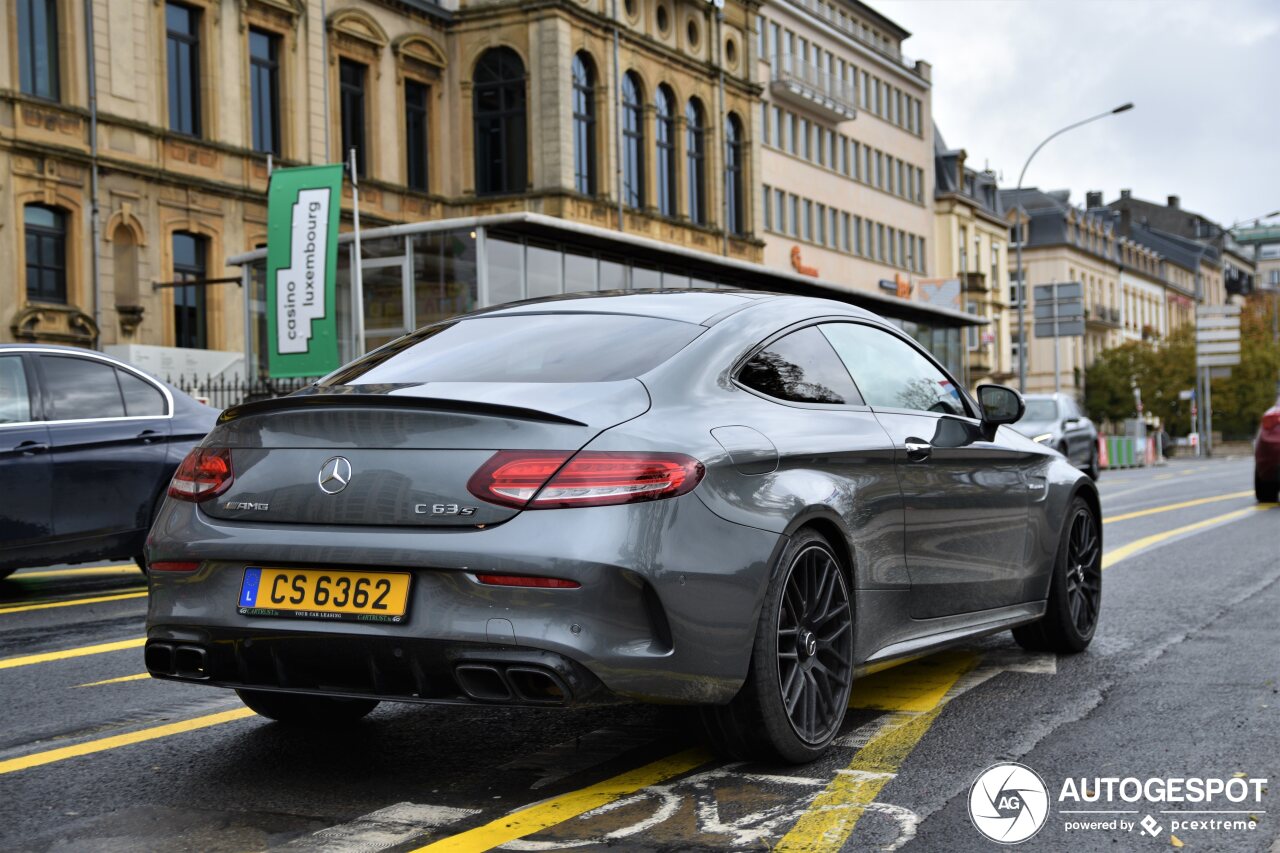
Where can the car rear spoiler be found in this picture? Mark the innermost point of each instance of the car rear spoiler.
(317, 398)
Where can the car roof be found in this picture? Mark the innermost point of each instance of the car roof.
(699, 306)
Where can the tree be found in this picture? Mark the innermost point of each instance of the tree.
(1163, 369)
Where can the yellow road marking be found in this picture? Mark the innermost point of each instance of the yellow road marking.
(46, 605)
(119, 680)
(45, 657)
(88, 572)
(1114, 556)
(547, 814)
(917, 686)
(50, 756)
(833, 814)
(1183, 505)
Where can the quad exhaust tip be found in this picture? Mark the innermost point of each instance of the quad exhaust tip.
(528, 684)
(182, 661)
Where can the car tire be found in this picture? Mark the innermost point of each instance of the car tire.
(801, 672)
(1266, 493)
(1075, 590)
(298, 709)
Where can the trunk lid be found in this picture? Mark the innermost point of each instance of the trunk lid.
(402, 454)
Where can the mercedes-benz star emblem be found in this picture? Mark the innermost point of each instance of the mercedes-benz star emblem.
(334, 475)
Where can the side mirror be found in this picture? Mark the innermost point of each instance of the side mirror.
(1000, 405)
(1071, 423)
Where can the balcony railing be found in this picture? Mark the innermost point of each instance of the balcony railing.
(1104, 316)
(836, 99)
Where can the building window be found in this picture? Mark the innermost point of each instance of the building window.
(768, 208)
(264, 90)
(781, 225)
(632, 141)
(498, 104)
(351, 101)
(733, 184)
(38, 48)
(666, 143)
(46, 244)
(584, 124)
(183, 33)
(417, 139)
(695, 160)
(189, 328)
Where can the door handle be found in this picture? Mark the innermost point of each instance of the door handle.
(148, 436)
(918, 450)
(31, 448)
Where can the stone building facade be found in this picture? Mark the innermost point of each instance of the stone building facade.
(169, 115)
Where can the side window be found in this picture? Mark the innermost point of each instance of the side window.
(141, 398)
(890, 372)
(79, 389)
(15, 401)
(800, 368)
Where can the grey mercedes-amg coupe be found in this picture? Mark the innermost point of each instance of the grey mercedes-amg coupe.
(735, 500)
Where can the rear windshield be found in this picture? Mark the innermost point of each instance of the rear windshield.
(524, 348)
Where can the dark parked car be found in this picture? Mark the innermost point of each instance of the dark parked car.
(1266, 456)
(1055, 420)
(87, 446)
(731, 500)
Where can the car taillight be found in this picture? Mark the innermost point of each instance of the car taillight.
(1271, 420)
(172, 566)
(204, 473)
(527, 581)
(551, 479)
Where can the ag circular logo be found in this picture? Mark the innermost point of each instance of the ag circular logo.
(1008, 803)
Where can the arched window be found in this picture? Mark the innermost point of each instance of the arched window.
(666, 142)
(733, 194)
(632, 140)
(498, 104)
(695, 147)
(584, 124)
(45, 231)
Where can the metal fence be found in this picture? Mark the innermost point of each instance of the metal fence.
(223, 393)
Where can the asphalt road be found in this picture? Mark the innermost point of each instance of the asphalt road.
(1182, 680)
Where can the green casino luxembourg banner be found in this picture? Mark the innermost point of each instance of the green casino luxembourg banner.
(302, 259)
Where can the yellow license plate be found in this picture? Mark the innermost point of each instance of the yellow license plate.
(325, 594)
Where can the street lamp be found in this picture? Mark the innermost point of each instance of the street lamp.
(1022, 236)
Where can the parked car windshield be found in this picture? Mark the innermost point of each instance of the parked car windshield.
(1041, 410)
(524, 348)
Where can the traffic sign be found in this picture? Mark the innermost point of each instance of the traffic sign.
(1217, 360)
(1059, 310)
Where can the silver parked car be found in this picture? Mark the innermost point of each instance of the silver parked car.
(732, 500)
(1055, 420)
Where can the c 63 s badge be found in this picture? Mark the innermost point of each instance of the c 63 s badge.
(443, 509)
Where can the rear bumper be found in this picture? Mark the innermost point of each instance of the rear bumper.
(667, 609)
(404, 669)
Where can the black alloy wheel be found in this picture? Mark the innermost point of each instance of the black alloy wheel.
(798, 682)
(1084, 572)
(815, 644)
(1075, 588)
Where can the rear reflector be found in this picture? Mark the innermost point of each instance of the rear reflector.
(172, 566)
(545, 480)
(522, 580)
(204, 473)
(1271, 420)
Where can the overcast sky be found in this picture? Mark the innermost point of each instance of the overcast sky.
(1203, 74)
